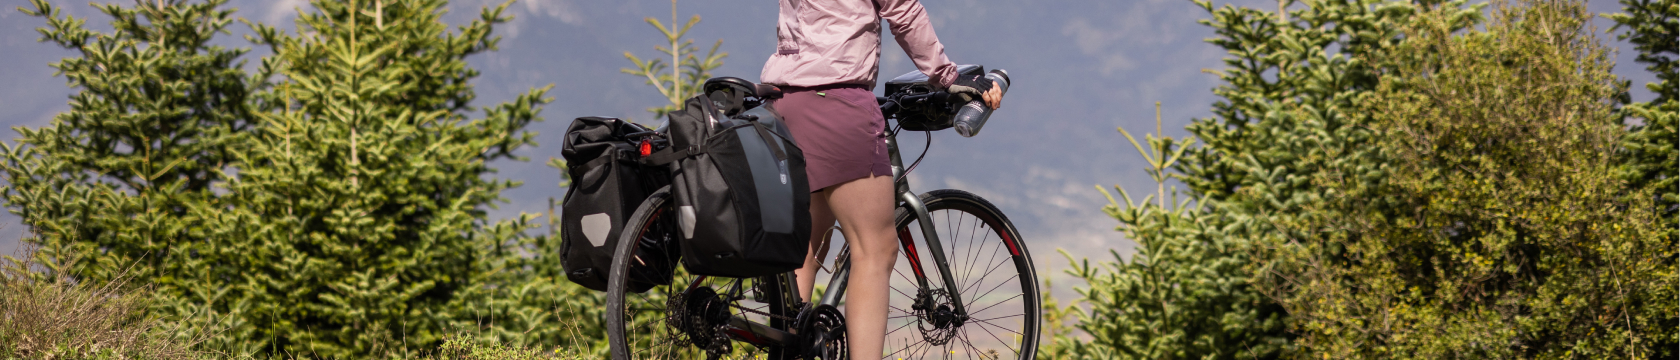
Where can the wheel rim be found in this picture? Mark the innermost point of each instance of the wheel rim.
(996, 287)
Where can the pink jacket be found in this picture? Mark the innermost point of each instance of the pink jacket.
(828, 42)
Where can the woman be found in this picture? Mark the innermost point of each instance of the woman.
(826, 63)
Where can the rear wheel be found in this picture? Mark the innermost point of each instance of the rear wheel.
(994, 275)
(682, 320)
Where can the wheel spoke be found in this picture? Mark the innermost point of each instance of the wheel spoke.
(989, 272)
(996, 318)
(1000, 341)
(994, 288)
(963, 336)
(906, 278)
(968, 269)
(906, 347)
(998, 303)
(901, 327)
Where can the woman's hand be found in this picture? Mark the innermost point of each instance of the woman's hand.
(978, 87)
(994, 96)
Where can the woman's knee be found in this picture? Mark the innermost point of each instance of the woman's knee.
(879, 247)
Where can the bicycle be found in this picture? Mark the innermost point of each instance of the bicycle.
(697, 315)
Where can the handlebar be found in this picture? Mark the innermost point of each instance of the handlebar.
(892, 103)
(920, 109)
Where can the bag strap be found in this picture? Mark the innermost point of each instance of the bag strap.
(622, 154)
(775, 146)
(669, 155)
(603, 160)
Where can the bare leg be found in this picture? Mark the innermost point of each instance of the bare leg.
(865, 210)
(821, 220)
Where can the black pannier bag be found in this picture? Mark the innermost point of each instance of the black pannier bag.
(742, 201)
(608, 183)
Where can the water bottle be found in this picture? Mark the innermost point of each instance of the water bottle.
(973, 114)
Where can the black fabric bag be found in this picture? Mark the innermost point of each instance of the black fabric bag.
(742, 199)
(608, 183)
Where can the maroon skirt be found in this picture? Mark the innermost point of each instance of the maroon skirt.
(841, 131)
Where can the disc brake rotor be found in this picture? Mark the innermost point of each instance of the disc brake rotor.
(935, 318)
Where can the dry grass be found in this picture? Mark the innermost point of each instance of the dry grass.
(462, 347)
(52, 316)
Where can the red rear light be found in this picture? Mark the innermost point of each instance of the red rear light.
(647, 148)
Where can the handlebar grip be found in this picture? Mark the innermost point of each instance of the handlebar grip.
(888, 105)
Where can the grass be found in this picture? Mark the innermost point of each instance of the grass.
(54, 317)
(461, 347)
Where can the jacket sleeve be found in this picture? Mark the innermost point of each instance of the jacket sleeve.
(910, 26)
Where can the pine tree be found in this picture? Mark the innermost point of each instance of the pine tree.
(1652, 155)
(111, 185)
(688, 72)
(1184, 294)
(339, 212)
(1653, 148)
(361, 196)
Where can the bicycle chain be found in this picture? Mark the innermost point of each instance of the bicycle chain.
(758, 296)
(760, 312)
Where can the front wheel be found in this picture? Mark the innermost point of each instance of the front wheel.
(994, 276)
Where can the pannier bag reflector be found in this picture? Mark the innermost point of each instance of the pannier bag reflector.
(596, 227)
(687, 219)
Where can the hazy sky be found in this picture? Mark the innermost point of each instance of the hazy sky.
(1081, 68)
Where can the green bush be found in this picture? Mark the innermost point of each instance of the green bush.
(332, 204)
(1500, 228)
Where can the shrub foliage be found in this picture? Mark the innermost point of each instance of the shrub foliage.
(333, 204)
(1500, 230)
(1388, 181)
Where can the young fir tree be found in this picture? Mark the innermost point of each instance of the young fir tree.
(1652, 148)
(1289, 112)
(687, 71)
(112, 185)
(1499, 228)
(361, 194)
(1183, 294)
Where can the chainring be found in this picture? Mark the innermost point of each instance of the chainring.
(822, 331)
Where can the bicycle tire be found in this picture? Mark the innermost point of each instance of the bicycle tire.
(640, 330)
(955, 213)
